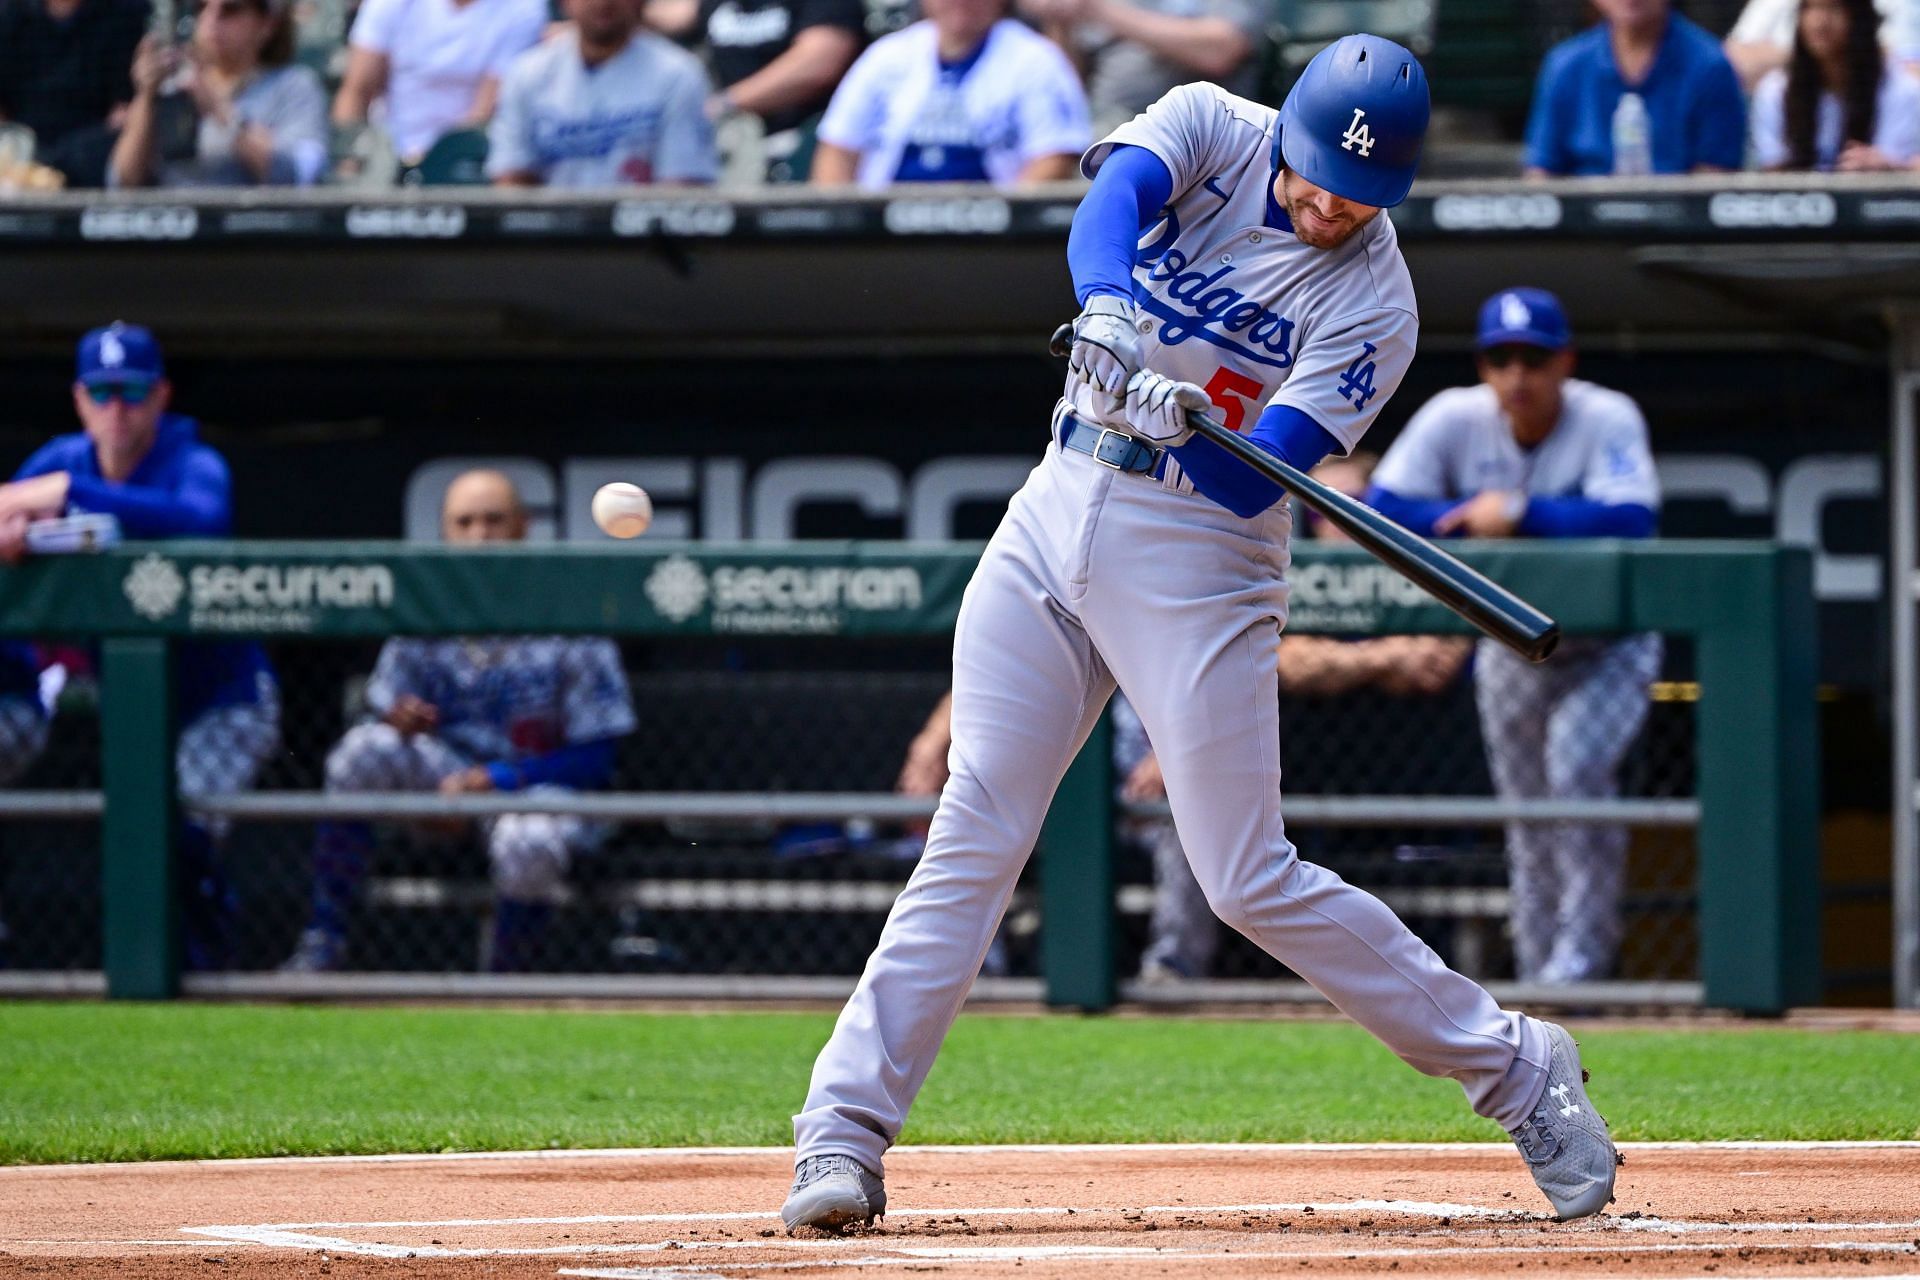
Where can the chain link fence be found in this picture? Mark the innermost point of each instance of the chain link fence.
(747, 829)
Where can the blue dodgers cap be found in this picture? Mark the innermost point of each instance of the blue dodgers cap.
(1531, 317)
(117, 352)
(1354, 121)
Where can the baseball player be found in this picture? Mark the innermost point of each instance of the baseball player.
(1233, 257)
(473, 714)
(1535, 452)
(148, 469)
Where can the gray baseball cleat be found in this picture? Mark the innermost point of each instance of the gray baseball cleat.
(831, 1193)
(1565, 1141)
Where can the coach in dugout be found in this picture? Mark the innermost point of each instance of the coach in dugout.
(1533, 452)
(148, 469)
(471, 715)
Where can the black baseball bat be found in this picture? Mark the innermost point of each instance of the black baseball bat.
(1483, 602)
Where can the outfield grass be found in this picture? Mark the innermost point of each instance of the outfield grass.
(130, 1082)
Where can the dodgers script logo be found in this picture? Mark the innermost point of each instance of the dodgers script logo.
(1216, 312)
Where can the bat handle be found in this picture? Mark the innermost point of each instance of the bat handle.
(1061, 344)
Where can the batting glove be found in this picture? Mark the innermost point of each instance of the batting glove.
(1157, 408)
(1106, 346)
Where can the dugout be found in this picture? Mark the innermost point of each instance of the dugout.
(338, 342)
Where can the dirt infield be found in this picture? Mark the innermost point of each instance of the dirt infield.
(1033, 1212)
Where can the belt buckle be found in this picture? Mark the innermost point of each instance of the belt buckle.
(1101, 444)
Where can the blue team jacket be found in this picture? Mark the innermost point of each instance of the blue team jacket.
(181, 489)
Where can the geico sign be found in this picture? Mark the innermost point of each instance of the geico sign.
(406, 221)
(1534, 212)
(139, 222)
(1772, 209)
(674, 217)
(948, 217)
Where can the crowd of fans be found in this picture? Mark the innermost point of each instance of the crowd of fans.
(579, 93)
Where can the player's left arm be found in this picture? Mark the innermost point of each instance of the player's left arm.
(686, 154)
(1619, 491)
(597, 708)
(200, 505)
(1719, 120)
(1345, 372)
(1051, 118)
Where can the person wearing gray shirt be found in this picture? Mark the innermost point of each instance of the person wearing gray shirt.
(603, 104)
(1132, 52)
(231, 109)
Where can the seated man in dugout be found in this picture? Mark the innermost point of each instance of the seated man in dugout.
(473, 715)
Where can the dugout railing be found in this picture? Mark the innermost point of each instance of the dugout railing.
(1743, 612)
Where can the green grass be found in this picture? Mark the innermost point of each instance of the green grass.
(113, 1082)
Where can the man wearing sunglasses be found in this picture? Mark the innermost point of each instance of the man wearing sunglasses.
(1535, 452)
(148, 469)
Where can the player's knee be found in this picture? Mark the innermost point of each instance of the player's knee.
(1235, 890)
(529, 857)
(353, 764)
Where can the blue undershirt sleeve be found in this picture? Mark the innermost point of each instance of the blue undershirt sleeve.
(1133, 185)
(578, 764)
(1283, 431)
(200, 505)
(1417, 514)
(1585, 518)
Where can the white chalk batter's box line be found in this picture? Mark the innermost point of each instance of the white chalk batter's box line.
(991, 1255)
(304, 1235)
(1488, 1148)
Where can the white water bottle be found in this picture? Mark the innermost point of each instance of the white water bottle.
(1632, 136)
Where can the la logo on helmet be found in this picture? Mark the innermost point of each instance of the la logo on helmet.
(1358, 137)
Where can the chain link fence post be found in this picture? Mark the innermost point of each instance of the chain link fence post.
(139, 887)
(1076, 880)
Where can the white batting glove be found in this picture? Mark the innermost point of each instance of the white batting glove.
(1106, 346)
(1157, 408)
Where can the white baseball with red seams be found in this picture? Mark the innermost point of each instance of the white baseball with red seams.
(1098, 578)
(622, 510)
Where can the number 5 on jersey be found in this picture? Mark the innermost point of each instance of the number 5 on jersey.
(1231, 391)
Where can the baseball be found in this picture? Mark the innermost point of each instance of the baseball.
(622, 510)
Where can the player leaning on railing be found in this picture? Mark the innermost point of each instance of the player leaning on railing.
(1233, 256)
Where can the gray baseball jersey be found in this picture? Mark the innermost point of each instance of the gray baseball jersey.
(1243, 309)
(638, 117)
(509, 697)
(1099, 578)
(1459, 444)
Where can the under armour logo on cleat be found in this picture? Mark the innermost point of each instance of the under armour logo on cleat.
(1560, 1094)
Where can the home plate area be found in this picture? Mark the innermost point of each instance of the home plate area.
(1812, 1209)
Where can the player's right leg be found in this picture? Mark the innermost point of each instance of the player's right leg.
(369, 757)
(1516, 701)
(1027, 688)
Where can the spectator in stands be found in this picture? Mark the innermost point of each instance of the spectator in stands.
(64, 75)
(965, 95)
(602, 103)
(775, 59)
(1762, 39)
(147, 468)
(232, 109)
(432, 67)
(1838, 104)
(1644, 91)
(1131, 52)
(23, 728)
(469, 715)
(1533, 452)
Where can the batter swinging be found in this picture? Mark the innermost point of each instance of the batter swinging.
(1233, 256)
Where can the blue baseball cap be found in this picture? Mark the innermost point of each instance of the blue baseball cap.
(116, 353)
(1530, 317)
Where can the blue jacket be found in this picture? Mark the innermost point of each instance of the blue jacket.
(1696, 113)
(181, 489)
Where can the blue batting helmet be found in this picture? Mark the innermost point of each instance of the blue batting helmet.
(1354, 121)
